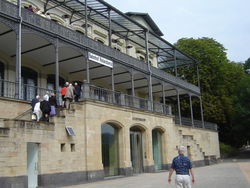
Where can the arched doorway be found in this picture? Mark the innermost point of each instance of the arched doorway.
(29, 83)
(110, 150)
(136, 149)
(157, 149)
(1, 79)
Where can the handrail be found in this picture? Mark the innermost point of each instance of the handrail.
(8, 89)
(197, 123)
(23, 114)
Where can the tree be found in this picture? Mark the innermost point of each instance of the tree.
(241, 121)
(219, 80)
(247, 65)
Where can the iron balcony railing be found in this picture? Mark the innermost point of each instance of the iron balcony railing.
(35, 21)
(118, 98)
(196, 123)
(9, 89)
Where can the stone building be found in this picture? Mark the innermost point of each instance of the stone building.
(129, 119)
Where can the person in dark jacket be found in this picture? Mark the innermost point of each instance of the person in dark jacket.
(34, 101)
(45, 108)
(77, 91)
(53, 104)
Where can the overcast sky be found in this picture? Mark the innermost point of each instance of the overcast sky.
(227, 21)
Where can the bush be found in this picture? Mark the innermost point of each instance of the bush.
(227, 150)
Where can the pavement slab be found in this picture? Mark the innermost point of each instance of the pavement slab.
(223, 175)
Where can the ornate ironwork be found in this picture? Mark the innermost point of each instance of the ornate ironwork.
(36, 22)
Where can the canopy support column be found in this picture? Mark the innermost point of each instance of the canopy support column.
(132, 82)
(202, 116)
(150, 94)
(179, 106)
(191, 109)
(57, 70)
(87, 66)
(164, 99)
(86, 18)
(110, 31)
(19, 53)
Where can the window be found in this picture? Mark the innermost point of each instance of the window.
(72, 147)
(29, 83)
(63, 147)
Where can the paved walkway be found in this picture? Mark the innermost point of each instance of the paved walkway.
(224, 175)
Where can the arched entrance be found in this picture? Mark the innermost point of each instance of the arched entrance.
(136, 149)
(110, 150)
(157, 148)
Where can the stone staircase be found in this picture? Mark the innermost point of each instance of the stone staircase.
(194, 149)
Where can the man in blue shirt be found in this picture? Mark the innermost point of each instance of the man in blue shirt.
(183, 167)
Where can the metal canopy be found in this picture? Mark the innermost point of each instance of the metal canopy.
(101, 13)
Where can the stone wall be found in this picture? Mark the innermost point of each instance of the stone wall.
(66, 160)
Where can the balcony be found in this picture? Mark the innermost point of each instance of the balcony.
(8, 89)
(35, 22)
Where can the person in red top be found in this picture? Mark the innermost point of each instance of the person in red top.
(63, 92)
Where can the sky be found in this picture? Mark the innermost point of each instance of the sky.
(226, 21)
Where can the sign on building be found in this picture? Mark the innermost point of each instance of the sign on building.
(100, 60)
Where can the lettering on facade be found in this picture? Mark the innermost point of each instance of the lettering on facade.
(100, 60)
(138, 119)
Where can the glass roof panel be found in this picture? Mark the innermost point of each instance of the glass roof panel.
(123, 26)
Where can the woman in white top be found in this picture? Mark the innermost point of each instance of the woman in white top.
(38, 111)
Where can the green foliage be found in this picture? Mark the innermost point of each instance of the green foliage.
(224, 85)
(241, 121)
(226, 150)
(247, 64)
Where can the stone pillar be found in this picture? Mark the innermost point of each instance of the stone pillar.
(86, 90)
